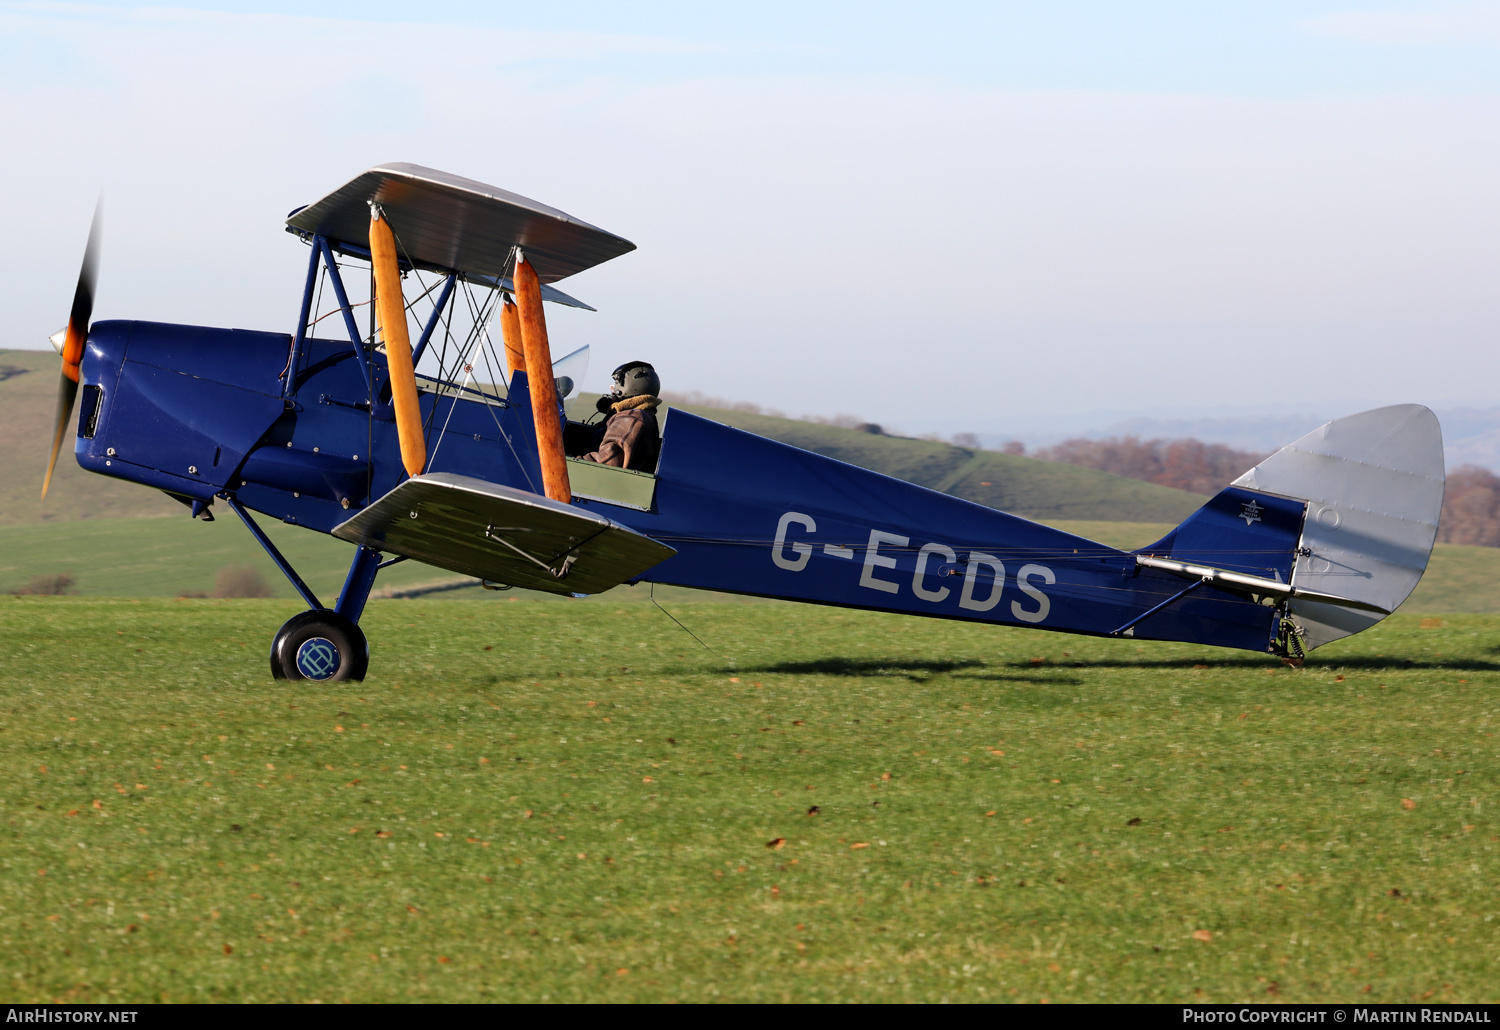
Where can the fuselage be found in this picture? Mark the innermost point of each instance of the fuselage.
(204, 413)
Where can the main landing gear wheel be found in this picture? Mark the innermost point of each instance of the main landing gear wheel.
(319, 645)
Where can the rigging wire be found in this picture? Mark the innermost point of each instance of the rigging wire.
(652, 596)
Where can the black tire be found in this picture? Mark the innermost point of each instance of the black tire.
(319, 641)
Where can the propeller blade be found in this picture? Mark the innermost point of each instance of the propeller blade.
(67, 390)
(75, 336)
(83, 303)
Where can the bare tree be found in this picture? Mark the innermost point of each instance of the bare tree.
(240, 581)
(1471, 508)
(49, 586)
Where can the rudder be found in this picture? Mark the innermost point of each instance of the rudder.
(1373, 484)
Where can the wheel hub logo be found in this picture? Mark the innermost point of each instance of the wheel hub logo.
(318, 658)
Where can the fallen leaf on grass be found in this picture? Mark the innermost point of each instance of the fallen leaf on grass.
(1408, 804)
(860, 844)
(382, 834)
(777, 844)
(444, 959)
(647, 779)
(354, 829)
(526, 814)
(885, 776)
(413, 910)
(989, 813)
(1203, 935)
(228, 950)
(1133, 822)
(814, 810)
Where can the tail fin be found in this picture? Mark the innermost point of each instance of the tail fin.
(1373, 484)
(1344, 517)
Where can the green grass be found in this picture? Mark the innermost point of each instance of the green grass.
(167, 557)
(579, 803)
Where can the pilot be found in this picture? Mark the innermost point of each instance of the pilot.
(632, 436)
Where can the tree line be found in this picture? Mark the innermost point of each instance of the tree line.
(1471, 501)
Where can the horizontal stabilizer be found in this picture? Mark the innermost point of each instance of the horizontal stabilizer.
(497, 533)
(1258, 586)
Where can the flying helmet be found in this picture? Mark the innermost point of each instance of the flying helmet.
(635, 379)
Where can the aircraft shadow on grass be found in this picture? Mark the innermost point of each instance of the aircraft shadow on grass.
(1360, 664)
(921, 670)
(918, 670)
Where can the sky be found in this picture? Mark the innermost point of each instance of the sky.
(957, 217)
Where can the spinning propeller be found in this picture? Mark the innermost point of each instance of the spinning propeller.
(69, 343)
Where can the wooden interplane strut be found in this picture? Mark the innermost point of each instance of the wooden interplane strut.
(544, 413)
(390, 307)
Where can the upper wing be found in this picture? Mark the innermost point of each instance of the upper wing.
(448, 223)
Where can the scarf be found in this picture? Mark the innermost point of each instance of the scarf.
(644, 400)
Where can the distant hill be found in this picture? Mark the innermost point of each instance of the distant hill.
(28, 398)
(1022, 486)
(1185, 464)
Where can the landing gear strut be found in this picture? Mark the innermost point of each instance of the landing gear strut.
(324, 643)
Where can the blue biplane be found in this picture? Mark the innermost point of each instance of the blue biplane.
(466, 469)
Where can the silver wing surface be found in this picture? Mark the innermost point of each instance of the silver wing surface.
(448, 223)
(504, 535)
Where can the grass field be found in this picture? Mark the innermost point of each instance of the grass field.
(577, 802)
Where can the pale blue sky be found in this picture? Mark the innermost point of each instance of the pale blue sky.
(1266, 48)
(996, 210)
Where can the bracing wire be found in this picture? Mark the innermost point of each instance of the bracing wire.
(652, 596)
